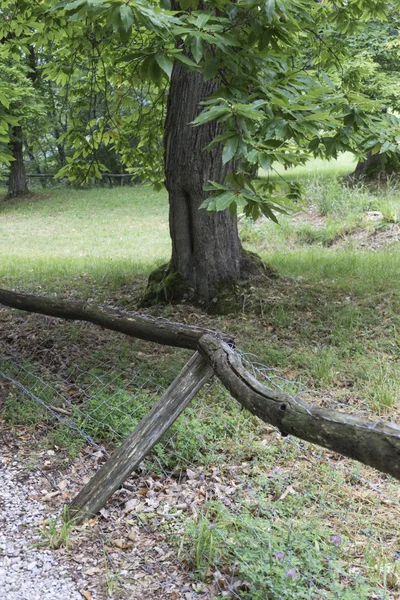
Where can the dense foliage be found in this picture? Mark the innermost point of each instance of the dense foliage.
(296, 79)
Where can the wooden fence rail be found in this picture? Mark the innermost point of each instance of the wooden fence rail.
(374, 443)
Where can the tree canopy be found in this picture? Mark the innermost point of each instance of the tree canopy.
(286, 89)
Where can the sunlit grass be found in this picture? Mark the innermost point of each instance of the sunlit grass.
(97, 234)
(344, 165)
(351, 270)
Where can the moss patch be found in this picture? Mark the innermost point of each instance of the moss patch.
(166, 285)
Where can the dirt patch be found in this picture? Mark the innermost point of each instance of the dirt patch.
(310, 217)
(380, 239)
(375, 235)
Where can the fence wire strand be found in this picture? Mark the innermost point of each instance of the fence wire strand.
(252, 515)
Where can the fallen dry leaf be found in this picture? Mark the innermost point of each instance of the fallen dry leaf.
(104, 513)
(121, 543)
(92, 571)
(133, 534)
(50, 495)
(289, 490)
(131, 505)
(86, 594)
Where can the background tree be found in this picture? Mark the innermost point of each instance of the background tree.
(20, 106)
(374, 67)
(239, 77)
(20, 103)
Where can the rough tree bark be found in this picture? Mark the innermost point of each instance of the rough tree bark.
(206, 250)
(132, 324)
(17, 181)
(372, 442)
(374, 167)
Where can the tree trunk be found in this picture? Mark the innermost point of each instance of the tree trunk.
(374, 166)
(62, 159)
(205, 247)
(17, 181)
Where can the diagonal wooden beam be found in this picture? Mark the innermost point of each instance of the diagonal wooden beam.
(149, 431)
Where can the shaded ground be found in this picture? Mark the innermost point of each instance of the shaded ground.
(140, 547)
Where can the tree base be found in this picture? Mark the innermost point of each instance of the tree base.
(374, 167)
(17, 194)
(12, 195)
(166, 285)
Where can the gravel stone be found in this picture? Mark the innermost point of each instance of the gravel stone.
(27, 573)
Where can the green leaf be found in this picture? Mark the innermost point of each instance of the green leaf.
(328, 80)
(185, 60)
(71, 6)
(233, 209)
(196, 47)
(318, 116)
(126, 14)
(270, 10)
(230, 149)
(211, 68)
(154, 72)
(265, 161)
(246, 110)
(165, 63)
(202, 20)
(185, 4)
(222, 201)
(267, 212)
(210, 114)
(313, 145)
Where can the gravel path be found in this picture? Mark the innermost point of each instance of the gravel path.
(27, 574)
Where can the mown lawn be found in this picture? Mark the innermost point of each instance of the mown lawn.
(304, 523)
(65, 236)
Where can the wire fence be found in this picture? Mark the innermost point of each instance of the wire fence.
(44, 180)
(247, 513)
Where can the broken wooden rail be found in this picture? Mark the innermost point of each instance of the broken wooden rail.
(374, 443)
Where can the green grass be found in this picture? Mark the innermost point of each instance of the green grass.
(344, 165)
(329, 322)
(273, 563)
(345, 270)
(85, 236)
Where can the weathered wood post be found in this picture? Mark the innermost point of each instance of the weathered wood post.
(149, 431)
